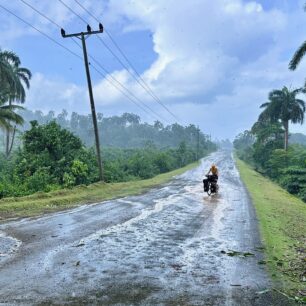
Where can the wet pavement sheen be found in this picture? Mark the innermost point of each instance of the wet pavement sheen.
(166, 247)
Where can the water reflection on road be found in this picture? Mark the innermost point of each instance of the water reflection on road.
(165, 247)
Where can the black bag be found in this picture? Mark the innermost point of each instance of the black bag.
(205, 182)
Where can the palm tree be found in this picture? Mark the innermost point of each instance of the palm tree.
(284, 106)
(9, 116)
(12, 81)
(22, 77)
(7, 58)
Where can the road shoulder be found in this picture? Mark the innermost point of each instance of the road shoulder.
(282, 223)
(41, 203)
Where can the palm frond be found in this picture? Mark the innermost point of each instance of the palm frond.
(12, 107)
(11, 116)
(4, 124)
(9, 56)
(302, 104)
(264, 104)
(25, 79)
(297, 57)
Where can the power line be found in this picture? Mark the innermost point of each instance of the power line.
(80, 17)
(158, 117)
(72, 11)
(128, 97)
(41, 32)
(143, 84)
(107, 73)
(46, 17)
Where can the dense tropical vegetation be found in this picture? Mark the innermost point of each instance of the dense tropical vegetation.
(125, 131)
(266, 147)
(52, 152)
(52, 157)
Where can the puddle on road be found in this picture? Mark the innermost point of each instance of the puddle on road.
(159, 206)
(8, 246)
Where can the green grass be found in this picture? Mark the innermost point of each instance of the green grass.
(41, 202)
(282, 222)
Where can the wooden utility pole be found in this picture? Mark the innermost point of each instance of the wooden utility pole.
(82, 36)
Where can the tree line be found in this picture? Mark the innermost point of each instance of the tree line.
(266, 145)
(52, 157)
(124, 131)
(44, 152)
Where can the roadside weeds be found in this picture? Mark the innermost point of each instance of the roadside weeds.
(282, 222)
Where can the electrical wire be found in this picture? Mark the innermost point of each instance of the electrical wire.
(126, 89)
(47, 18)
(158, 117)
(41, 32)
(143, 84)
(118, 88)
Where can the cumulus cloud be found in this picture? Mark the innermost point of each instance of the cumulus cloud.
(213, 57)
(203, 43)
(55, 94)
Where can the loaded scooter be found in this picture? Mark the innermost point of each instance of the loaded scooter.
(210, 185)
(211, 182)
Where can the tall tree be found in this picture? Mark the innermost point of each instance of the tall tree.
(284, 106)
(13, 80)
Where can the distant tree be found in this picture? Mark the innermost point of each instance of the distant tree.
(158, 125)
(244, 140)
(269, 136)
(283, 105)
(182, 153)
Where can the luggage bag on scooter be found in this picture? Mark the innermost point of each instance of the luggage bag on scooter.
(205, 183)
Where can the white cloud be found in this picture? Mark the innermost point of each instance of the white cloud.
(215, 59)
(202, 44)
(55, 94)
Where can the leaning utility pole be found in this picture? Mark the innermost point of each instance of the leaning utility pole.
(82, 36)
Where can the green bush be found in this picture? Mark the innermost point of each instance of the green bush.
(52, 158)
(39, 180)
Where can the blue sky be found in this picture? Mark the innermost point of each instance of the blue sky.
(212, 63)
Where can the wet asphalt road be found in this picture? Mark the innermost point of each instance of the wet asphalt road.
(165, 247)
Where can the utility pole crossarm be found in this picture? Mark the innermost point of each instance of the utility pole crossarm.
(81, 33)
(89, 32)
(81, 36)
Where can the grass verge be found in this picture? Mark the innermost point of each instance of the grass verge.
(41, 202)
(282, 222)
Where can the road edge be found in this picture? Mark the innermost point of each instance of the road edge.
(42, 203)
(280, 227)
